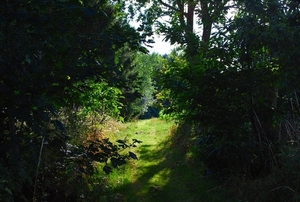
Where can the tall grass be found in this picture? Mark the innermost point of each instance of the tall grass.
(283, 182)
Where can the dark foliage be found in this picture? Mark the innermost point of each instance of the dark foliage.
(236, 91)
(50, 49)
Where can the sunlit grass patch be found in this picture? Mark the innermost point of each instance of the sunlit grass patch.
(160, 178)
(163, 171)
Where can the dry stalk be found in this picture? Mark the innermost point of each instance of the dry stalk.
(37, 169)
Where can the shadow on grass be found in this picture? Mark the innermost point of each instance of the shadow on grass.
(164, 173)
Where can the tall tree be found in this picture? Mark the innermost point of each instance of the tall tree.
(232, 93)
(181, 20)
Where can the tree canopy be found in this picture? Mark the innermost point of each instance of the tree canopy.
(57, 61)
(232, 81)
(68, 65)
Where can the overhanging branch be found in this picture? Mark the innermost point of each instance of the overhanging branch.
(168, 5)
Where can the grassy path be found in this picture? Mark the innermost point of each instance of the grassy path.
(164, 172)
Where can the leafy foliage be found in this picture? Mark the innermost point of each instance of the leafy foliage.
(136, 81)
(57, 63)
(234, 93)
(147, 66)
(179, 20)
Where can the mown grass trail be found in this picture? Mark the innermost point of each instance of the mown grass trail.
(164, 171)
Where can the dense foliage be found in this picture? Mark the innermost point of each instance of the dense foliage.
(233, 80)
(57, 86)
(67, 66)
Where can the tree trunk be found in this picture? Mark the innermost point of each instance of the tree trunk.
(190, 37)
(206, 21)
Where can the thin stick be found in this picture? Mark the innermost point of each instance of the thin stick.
(37, 169)
(259, 136)
(296, 97)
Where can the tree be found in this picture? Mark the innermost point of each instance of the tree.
(148, 66)
(179, 19)
(54, 53)
(232, 95)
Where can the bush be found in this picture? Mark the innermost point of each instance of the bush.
(239, 156)
(75, 157)
(282, 184)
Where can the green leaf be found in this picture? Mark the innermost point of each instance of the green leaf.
(107, 169)
(132, 155)
(121, 141)
(8, 190)
(116, 162)
(136, 141)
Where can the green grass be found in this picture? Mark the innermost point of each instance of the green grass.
(164, 171)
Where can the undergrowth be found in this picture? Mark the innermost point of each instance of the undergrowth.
(282, 184)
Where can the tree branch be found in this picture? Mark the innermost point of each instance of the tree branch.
(168, 5)
(182, 14)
